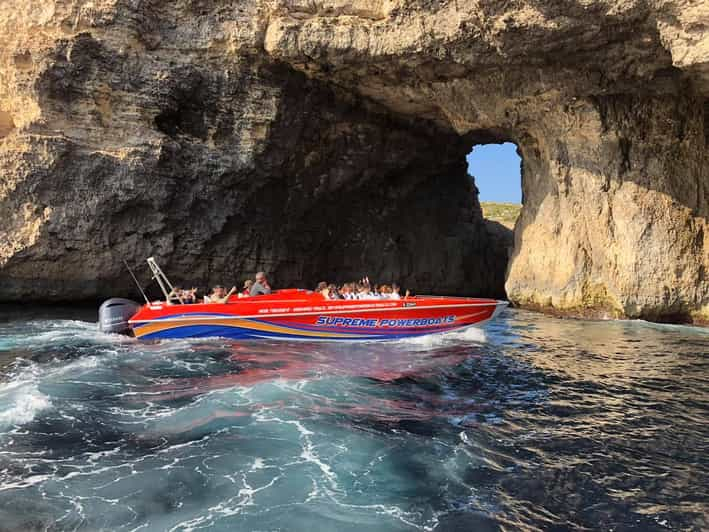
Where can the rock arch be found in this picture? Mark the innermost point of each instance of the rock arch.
(330, 137)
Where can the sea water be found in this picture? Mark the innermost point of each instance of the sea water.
(532, 423)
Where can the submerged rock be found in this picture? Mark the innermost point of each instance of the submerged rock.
(327, 139)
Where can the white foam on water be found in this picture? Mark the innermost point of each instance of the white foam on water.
(20, 402)
(23, 483)
(20, 396)
(469, 334)
(41, 335)
(687, 329)
(308, 449)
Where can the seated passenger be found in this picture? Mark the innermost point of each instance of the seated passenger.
(364, 292)
(347, 291)
(333, 292)
(323, 290)
(189, 296)
(353, 290)
(217, 293)
(246, 291)
(261, 286)
(385, 291)
(395, 289)
(175, 296)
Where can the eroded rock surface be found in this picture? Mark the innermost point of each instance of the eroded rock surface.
(327, 139)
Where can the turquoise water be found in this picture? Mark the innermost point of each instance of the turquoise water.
(532, 423)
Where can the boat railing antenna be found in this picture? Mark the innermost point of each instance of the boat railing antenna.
(136, 281)
(161, 278)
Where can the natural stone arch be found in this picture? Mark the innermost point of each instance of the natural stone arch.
(615, 171)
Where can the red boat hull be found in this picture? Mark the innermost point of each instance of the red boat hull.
(301, 315)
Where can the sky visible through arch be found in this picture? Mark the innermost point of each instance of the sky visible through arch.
(496, 168)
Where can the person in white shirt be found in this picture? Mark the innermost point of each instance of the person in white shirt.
(384, 291)
(347, 291)
(363, 292)
(395, 289)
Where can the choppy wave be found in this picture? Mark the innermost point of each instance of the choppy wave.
(20, 401)
(530, 423)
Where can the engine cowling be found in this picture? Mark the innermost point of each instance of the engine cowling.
(114, 313)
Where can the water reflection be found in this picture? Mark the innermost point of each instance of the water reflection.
(254, 363)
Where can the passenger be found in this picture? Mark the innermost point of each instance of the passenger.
(175, 296)
(395, 289)
(347, 291)
(261, 286)
(218, 292)
(333, 292)
(246, 291)
(189, 296)
(225, 298)
(363, 292)
(385, 292)
(323, 290)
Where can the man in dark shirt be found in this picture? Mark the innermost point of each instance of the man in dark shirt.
(261, 286)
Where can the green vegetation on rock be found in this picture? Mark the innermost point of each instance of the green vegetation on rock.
(504, 213)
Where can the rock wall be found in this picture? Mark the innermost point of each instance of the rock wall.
(623, 229)
(327, 139)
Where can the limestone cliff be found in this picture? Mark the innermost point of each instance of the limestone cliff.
(328, 139)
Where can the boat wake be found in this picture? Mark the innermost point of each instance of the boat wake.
(21, 401)
(469, 334)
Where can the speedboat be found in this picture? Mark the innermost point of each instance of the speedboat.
(296, 314)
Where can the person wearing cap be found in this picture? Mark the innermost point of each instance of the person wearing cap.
(261, 286)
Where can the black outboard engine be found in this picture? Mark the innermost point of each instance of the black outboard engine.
(114, 313)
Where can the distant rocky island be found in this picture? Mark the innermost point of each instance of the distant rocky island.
(327, 140)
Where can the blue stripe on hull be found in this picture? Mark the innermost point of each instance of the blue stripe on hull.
(201, 331)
